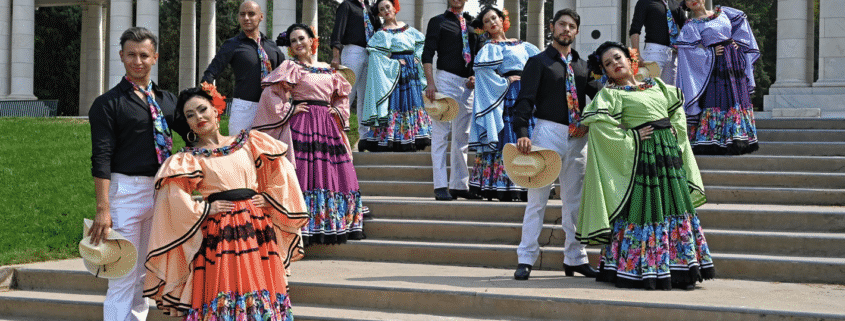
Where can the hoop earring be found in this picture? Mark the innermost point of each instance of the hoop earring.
(194, 139)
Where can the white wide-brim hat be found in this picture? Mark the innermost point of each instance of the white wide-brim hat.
(536, 169)
(113, 258)
(347, 74)
(442, 108)
(648, 69)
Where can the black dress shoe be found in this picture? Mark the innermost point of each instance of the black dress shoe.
(442, 194)
(583, 269)
(463, 193)
(522, 272)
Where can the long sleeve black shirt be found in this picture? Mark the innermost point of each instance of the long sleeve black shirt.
(242, 53)
(443, 36)
(652, 15)
(544, 86)
(349, 24)
(122, 131)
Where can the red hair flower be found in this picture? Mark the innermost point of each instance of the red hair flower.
(217, 100)
(506, 23)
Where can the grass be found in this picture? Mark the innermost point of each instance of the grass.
(46, 186)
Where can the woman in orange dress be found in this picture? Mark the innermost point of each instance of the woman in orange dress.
(224, 257)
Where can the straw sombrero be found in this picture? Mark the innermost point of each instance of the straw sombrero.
(347, 73)
(113, 258)
(443, 108)
(648, 69)
(536, 169)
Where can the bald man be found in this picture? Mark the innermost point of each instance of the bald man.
(252, 56)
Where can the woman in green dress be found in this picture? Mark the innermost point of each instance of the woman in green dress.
(640, 202)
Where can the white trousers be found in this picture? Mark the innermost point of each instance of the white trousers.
(453, 86)
(573, 154)
(241, 116)
(356, 58)
(665, 57)
(131, 200)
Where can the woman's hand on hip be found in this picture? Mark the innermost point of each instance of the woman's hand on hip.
(645, 132)
(259, 200)
(220, 207)
(300, 108)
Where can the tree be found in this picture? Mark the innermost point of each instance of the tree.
(57, 48)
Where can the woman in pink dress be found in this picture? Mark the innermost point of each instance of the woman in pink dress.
(305, 104)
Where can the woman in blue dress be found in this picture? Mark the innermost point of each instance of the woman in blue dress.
(393, 105)
(716, 55)
(498, 68)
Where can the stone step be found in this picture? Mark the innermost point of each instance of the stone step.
(710, 177)
(802, 148)
(330, 288)
(715, 194)
(40, 305)
(729, 241)
(717, 216)
(800, 123)
(801, 135)
(777, 268)
(753, 162)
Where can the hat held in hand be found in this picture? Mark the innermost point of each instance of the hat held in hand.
(442, 108)
(347, 74)
(536, 169)
(113, 258)
(648, 69)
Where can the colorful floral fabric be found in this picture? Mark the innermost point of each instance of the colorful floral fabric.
(368, 24)
(257, 305)
(266, 67)
(464, 35)
(335, 216)
(162, 136)
(575, 127)
(673, 27)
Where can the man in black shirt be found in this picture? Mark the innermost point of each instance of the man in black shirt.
(558, 87)
(252, 56)
(451, 38)
(354, 24)
(124, 159)
(660, 33)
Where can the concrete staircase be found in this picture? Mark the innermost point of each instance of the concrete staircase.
(774, 220)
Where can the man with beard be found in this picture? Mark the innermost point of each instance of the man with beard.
(558, 89)
(252, 56)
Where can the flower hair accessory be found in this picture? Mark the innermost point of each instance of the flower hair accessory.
(217, 100)
(506, 22)
(635, 60)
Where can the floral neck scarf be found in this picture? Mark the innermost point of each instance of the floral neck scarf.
(673, 27)
(368, 25)
(266, 67)
(161, 133)
(464, 35)
(575, 127)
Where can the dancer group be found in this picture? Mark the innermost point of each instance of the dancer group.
(216, 224)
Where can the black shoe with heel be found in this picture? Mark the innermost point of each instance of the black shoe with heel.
(523, 271)
(583, 269)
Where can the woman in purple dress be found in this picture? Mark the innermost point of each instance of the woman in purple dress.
(716, 55)
(305, 104)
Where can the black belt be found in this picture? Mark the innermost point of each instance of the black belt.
(512, 73)
(232, 195)
(312, 102)
(407, 52)
(657, 124)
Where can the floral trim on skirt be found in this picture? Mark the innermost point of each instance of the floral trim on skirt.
(658, 242)
(488, 178)
(407, 127)
(327, 178)
(252, 306)
(726, 122)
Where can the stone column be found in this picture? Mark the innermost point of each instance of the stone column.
(407, 14)
(120, 19)
(263, 25)
(5, 45)
(147, 17)
(831, 44)
(208, 36)
(513, 11)
(92, 57)
(22, 67)
(188, 45)
(794, 66)
(284, 15)
(309, 13)
(599, 23)
(430, 9)
(535, 25)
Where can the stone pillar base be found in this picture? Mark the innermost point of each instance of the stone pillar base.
(20, 97)
(816, 101)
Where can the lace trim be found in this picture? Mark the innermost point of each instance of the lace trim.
(239, 142)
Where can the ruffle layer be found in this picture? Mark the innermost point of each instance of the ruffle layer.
(489, 180)
(256, 305)
(403, 131)
(335, 217)
(720, 132)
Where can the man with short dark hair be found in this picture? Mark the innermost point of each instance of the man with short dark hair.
(558, 88)
(663, 20)
(130, 138)
(252, 56)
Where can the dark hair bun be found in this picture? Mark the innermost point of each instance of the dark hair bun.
(594, 59)
(282, 40)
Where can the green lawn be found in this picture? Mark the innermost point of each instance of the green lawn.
(46, 186)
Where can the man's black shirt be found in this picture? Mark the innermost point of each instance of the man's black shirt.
(349, 24)
(443, 37)
(544, 85)
(652, 15)
(242, 53)
(122, 131)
